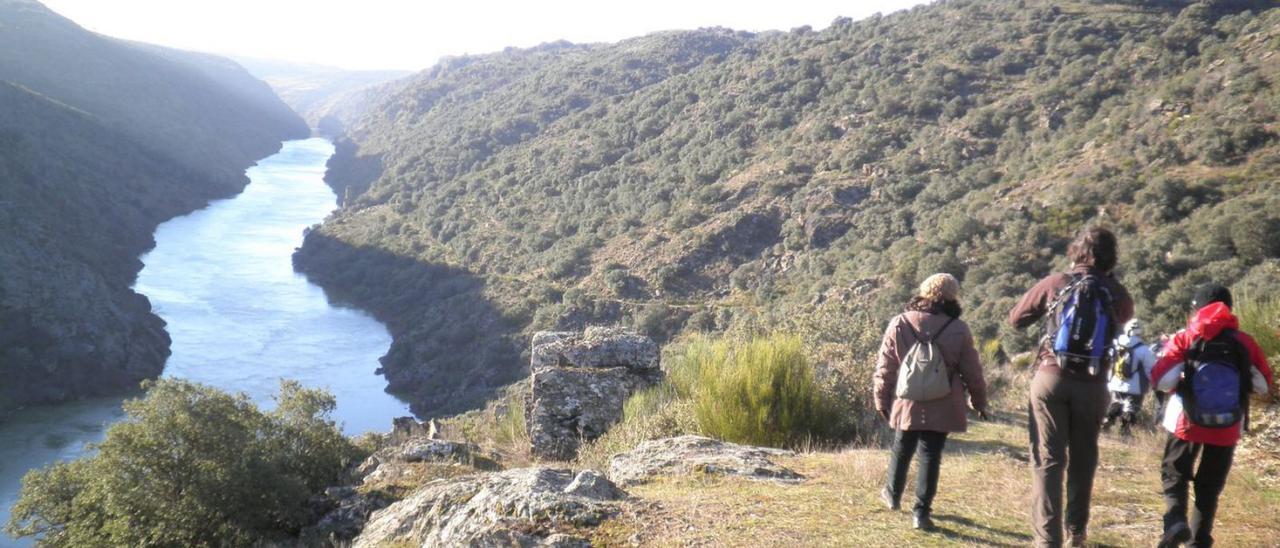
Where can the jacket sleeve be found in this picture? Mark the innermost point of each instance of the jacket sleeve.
(1147, 362)
(887, 363)
(970, 369)
(1032, 306)
(1262, 376)
(1168, 370)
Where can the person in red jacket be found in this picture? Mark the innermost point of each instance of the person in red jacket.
(1215, 446)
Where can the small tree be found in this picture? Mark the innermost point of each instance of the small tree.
(190, 466)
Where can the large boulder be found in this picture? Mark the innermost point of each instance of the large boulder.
(696, 455)
(579, 384)
(521, 507)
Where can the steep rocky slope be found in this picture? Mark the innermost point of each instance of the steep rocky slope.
(103, 140)
(707, 179)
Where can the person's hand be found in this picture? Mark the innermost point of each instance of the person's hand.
(884, 415)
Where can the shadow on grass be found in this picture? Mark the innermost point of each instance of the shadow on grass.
(1007, 538)
(1018, 452)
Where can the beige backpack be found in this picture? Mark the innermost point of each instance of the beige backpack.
(922, 375)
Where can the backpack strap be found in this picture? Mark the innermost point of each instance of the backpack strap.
(935, 336)
(1192, 358)
(950, 319)
(1046, 323)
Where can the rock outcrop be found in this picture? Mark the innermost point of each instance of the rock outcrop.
(343, 511)
(696, 455)
(390, 463)
(522, 507)
(580, 382)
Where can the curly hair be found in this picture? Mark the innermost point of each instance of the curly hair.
(1095, 247)
(930, 306)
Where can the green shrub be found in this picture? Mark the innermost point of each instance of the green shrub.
(1260, 318)
(762, 391)
(190, 466)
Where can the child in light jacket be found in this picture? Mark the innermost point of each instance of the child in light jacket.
(1130, 377)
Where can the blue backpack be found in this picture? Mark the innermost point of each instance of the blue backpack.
(1216, 382)
(1085, 326)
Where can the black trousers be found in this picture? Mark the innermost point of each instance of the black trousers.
(1124, 409)
(929, 445)
(1209, 478)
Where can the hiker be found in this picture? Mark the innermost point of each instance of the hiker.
(927, 362)
(1209, 371)
(1130, 377)
(1082, 309)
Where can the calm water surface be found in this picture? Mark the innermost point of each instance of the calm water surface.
(240, 317)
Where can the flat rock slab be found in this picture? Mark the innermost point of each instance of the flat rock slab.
(697, 455)
(521, 507)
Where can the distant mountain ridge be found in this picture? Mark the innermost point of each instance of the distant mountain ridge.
(317, 92)
(102, 140)
(793, 180)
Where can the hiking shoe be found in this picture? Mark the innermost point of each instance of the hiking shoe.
(889, 500)
(1076, 539)
(1175, 535)
(922, 522)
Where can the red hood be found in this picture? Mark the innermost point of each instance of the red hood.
(1211, 320)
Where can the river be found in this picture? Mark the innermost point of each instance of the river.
(240, 317)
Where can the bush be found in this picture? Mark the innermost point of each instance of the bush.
(1260, 318)
(190, 466)
(761, 392)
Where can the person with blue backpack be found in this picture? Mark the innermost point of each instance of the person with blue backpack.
(1209, 369)
(1082, 310)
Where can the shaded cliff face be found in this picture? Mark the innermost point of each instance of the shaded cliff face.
(705, 179)
(101, 141)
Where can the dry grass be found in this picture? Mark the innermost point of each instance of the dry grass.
(982, 500)
(499, 427)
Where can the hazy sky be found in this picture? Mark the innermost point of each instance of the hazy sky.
(405, 34)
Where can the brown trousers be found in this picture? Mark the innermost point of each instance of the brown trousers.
(1065, 416)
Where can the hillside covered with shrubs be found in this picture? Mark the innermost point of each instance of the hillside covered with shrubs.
(712, 179)
(100, 141)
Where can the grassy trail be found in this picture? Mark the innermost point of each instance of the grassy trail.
(983, 499)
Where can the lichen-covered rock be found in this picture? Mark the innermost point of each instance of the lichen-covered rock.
(697, 455)
(522, 507)
(579, 384)
(344, 512)
(597, 347)
(390, 461)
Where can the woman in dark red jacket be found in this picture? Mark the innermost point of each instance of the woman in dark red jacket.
(932, 315)
(1215, 446)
